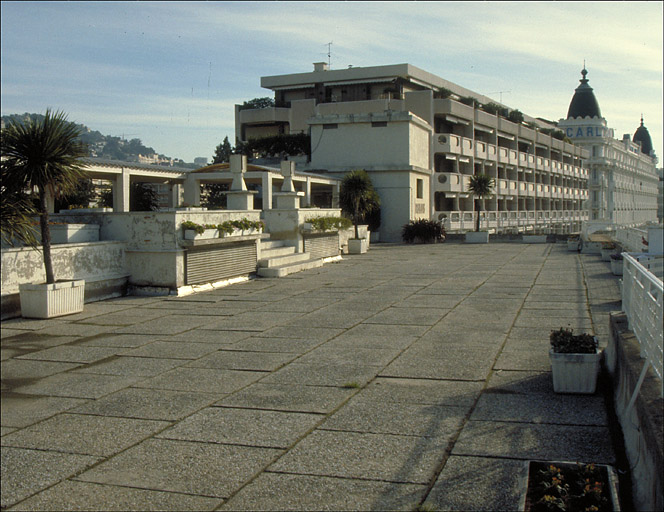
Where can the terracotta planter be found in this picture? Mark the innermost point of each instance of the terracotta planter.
(477, 237)
(51, 300)
(575, 373)
(608, 477)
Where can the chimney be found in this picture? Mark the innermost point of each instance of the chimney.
(320, 66)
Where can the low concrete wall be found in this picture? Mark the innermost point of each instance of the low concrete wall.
(643, 425)
(101, 264)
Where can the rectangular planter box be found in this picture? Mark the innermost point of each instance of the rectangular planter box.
(531, 467)
(74, 233)
(358, 245)
(606, 254)
(190, 234)
(617, 267)
(51, 300)
(534, 239)
(477, 237)
(575, 373)
(573, 245)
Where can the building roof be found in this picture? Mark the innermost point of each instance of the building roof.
(584, 103)
(643, 136)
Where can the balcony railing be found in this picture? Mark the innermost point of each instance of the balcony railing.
(465, 221)
(451, 182)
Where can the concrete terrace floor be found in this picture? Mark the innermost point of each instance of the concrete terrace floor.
(409, 376)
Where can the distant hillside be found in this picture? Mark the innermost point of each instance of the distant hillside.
(111, 147)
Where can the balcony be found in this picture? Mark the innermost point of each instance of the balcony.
(503, 155)
(480, 150)
(543, 164)
(447, 143)
(451, 182)
(514, 157)
(467, 147)
(264, 115)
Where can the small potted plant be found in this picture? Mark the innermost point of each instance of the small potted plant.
(617, 264)
(575, 361)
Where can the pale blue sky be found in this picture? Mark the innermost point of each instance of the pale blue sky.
(169, 73)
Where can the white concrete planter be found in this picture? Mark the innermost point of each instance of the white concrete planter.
(190, 234)
(573, 245)
(74, 233)
(534, 239)
(51, 300)
(532, 467)
(616, 267)
(358, 245)
(575, 373)
(477, 237)
(374, 237)
(606, 254)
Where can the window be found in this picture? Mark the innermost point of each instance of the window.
(420, 189)
(331, 126)
(378, 124)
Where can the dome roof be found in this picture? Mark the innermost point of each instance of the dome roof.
(584, 103)
(643, 136)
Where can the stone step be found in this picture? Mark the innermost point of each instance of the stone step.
(285, 270)
(283, 260)
(275, 252)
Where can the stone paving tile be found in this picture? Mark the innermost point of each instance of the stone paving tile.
(367, 416)
(25, 472)
(115, 340)
(323, 375)
(285, 345)
(7, 430)
(204, 469)
(16, 371)
(336, 318)
(83, 496)
(301, 330)
(125, 317)
(332, 353)
(524, 360)
(169, 324)
(477, 484)
(252, 321)
(30, 324)
(535, 441)
(149, 404)
(423, 300)
(75, 329)
(442, 365)
(211, 336)
(23, 410)
(248, 427)
(405, 459)
(77, 385)
(295, 305)
(176, 349)
(71, 354)
(132, 366)
(422, 391)
(408, 316)
(87, 435)
(288, 397)
(30, 341)
(277, 491)
(8, 332)
(202, 380)
(441, 337)
(236, 360)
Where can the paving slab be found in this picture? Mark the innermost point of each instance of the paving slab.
(279, 491)
(84, 496)
(204, 335)
(402, 459)
(87, 435)
(248, 427)
(26, 472)
(202, 380)
(275, 345)
(236, 360)
(131, 366)
(431, 364)
(71, 354)
(288, 397)
(115, 340)
(408, 316)
(477, 484)
(252, 321)
(22, 410)
(422, 391)
(536, 441)
(77, 385)
(303, 331)
(149, 404)
(322, 374)
(17, 371)
(125, 317)
(176, 349)
(169, 324)
(75, 329)
(334, 354)
(203, 469)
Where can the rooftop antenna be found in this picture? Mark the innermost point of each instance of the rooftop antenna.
(329, 53)
(501, 94)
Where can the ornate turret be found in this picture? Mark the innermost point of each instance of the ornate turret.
(643, 136)
(584, 103)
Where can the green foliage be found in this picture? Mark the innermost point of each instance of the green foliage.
(227, 227)
(43, 154)
(292, 144)
(257, 103)
(556, 134)
(142, 198)
(481, 186)
(223, 152)
(442, 93)
(80, 197)
(424, 230)
(214, 196)
(357, 196)
(329, 223)
(494, 108)
(515, 116)
(564, 341)
(470, 101)
(16, 221)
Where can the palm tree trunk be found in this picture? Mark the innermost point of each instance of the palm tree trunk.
(477, 216)
(356, 219)
(46, 236)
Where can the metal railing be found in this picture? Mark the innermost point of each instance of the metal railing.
(632, 239)
(642, 301)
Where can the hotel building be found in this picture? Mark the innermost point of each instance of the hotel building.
(421, 138)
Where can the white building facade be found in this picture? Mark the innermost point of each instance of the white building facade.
(623, 185)
(421, 138)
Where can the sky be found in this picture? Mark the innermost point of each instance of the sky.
(170, 73)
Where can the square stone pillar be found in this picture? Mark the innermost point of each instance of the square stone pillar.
(192, 190)
(121, 188)
(239, 197)
(267, 190)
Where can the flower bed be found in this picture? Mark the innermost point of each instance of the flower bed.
(194, 231)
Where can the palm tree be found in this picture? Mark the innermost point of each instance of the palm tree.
(357, 196)
(43, 154)
(481, 186)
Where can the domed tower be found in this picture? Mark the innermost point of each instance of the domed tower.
(643, 136)
(584, 103)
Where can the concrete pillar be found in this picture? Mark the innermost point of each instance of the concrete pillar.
(238, 168)
(307, 192)
(267, 190)
(239, 197)
(288, 170)
(192, 190)
(121, 188)
(173, 194)
(335, 194)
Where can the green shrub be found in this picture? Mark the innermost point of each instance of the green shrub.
(424, 230)
(564, 341)
(329, 223)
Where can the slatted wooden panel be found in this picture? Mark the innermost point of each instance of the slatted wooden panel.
(205, 265)
(322, 245)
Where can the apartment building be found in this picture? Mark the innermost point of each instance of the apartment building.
(623, 184)
(421, 138)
